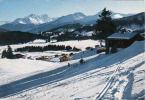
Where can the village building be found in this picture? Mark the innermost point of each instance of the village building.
(101, 50)
(123, 40)
(19, 56)
(44, 58)
(65, 58)
(89, 48)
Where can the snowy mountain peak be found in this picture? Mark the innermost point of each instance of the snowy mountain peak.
(72, 17)
(33, 19)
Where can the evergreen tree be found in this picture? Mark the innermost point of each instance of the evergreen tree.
(104, 26)
(9, 53)
(68, 48)
(4, 54)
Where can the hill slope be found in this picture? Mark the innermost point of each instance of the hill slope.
(114, 76)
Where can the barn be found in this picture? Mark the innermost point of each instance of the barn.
(123, 40)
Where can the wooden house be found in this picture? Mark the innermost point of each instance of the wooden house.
(57, 55)
(89, 48)
(65, 58)
(123, 40)
(19, 56)
(44, 58)
(72, 54)
(101, 50)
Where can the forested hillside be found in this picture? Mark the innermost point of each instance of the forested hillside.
(14, 37)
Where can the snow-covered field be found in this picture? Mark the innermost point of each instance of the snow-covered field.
(79, 44)
(114, 76)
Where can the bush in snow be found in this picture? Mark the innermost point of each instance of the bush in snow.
(8, 54)
(81, 61)
(4, 54)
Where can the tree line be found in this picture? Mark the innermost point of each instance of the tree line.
(15, 37)
(45, 48)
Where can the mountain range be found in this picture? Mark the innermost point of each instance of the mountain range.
(27, 23)
(33, 19)
(40, 23)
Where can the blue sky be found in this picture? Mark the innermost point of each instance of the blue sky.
(12, 9)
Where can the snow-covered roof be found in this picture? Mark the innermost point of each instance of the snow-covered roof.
(122, 35)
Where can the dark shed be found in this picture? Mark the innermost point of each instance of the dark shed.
(123, 40)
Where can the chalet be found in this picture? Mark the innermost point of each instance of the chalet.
(72, 54)
(19, 56)
(65, 58)
(57, 55)
(44, 58)
(101, 50)
(89, 48)
(64, 54)
(123, 40)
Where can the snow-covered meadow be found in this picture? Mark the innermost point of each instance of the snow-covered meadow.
(113, 76)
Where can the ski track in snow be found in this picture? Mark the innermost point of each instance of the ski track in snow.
(101, 77)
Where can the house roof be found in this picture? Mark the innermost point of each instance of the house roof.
(126, 36)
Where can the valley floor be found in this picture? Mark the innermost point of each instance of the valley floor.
(113, 76)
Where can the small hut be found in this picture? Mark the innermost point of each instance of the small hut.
(123, 40)
(19, 56)
(65, 58)
(89, 48)
(44, 58)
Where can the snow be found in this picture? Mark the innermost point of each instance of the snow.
(118, 16)
(86, 33)
(122, 35)
(76, 43)
(113, 76)
(82, 44)
(33, 19)
(39, 41)
(18, 67)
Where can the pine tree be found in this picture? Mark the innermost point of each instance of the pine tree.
(9, 53)
(104, 26)
(4, 54)
(68, 48)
